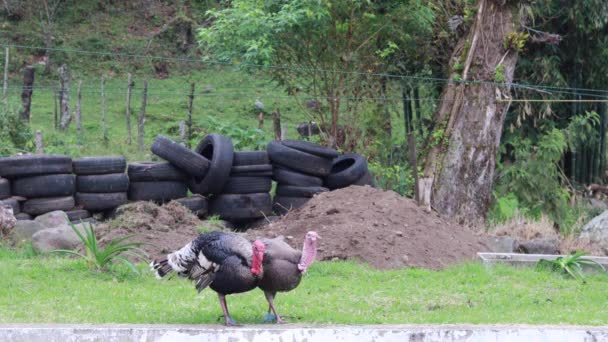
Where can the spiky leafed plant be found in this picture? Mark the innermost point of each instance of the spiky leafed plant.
(571, 265)
(100, 258)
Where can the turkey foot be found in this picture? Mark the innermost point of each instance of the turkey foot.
(269, 316)
(228, 321)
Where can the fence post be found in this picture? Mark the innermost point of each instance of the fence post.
(55, 99)
(78, 113)
(182, 131)
(189, 123)
(5, 84)
(261, 120)
(142, 118)
(26, 93)
(64, 102)
(128, 111)
(38, 142)
(411, 141)
(104, 126)
(276, 121)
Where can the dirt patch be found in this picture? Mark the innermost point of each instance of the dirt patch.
(164, 229)
(377, 227)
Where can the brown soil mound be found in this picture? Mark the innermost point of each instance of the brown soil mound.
(377, 227)
(164, 229)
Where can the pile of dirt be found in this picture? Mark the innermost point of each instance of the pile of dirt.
(163, 229)
(378, 227)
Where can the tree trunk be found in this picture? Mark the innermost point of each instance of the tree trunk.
(64, 105)
(26, 93)
(461, 166)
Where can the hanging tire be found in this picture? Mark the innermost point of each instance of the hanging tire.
(157, 191)
(251, 170)
(100, 202)
(283, 204)
(154, 171)
(219, 150)
(250, 158)
(346, 170)
(299, 191)
(75, 215)
(197, 204)
(114, 182)
(308, 147)
(298, 160)
(247, 185)
(240, 207)
(181, 157)
(13, 203)
(289, 177)
(56, 185)
(5, 188)
(39, 164)
(38, 206)
(99, 165)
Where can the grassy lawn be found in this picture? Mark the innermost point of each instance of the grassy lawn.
(60, 290)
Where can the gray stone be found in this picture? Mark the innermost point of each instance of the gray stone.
(54, 219)
(597, 204)
(501, 244)
(62, 237)
(540, 246)
(596, 231)
(23, 231)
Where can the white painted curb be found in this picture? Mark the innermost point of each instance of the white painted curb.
(296, 332)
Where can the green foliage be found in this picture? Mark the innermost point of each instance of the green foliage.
(582, 129)
(15, 135)
(393, 177)
(101, 258)
(499, 73)
(516, 41)
(504, 208)
(571, 265)
(243, 138)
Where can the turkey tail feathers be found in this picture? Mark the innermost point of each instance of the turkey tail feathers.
(161, 267)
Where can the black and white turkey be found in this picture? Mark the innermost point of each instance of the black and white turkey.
(284, 267)
(227, 263)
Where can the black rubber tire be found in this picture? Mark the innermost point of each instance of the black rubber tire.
(157, 191)
(247, 185)
(366, 179)
(250, 158)
(289, 177)
(299, 191)
(240, 207)
(346, 170)
(100, 202)
(113, 182)
(76, 215)
(181, 157)
(39, 164)
(14, 203)
(154, 171)
(254, 170)
(99, 165)
(56, 185)
(298, 160)
(24, 217)
(197, 204)
(5, 188)
(308, 147)
(283, 204)
(38, 206)
(219, 150)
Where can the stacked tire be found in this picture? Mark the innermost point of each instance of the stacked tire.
(245, 195)
(101, 185)
(159, 182)
(39, 184)
(348, 169)
(299, 168)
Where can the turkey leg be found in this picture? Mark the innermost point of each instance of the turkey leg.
(228, 320)
(270, 299)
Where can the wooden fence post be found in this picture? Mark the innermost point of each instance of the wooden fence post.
(55, 99)
(26, 93)
(104, 126)
(128, 111)
(64, 102)
(276, 121)
(38, 142)
(411, 141)
(78, 114)
(189, 123)
(182, 131)
(142, 118)
(5, 84)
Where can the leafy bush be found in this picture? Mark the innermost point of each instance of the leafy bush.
(394, 177)
(15, 135)
(243, 138)
(504, 209)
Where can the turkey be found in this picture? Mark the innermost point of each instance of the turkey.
(283, 268)
(227, 263)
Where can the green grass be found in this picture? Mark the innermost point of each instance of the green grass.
(60, 290)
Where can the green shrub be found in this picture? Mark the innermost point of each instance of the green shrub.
(15, 135)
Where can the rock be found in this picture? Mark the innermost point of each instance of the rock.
(24, 229)
(596, 231)
(7, 219)
(540, 246)
(54, 219)
(62, 237)
(24, 216)
(595, 203)
(501, 244)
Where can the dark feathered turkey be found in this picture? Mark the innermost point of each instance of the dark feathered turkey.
(227, 263)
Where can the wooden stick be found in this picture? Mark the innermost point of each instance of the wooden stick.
(414, 163)
(78, 113)
(26, 93)
(189, 123)
(276, 120)
(142, 118)
(38, 142)
(283, 132)
(261, 120)
(104, 126)
(55, 98)
(5, 84)
(64, 103)
(128, 111)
